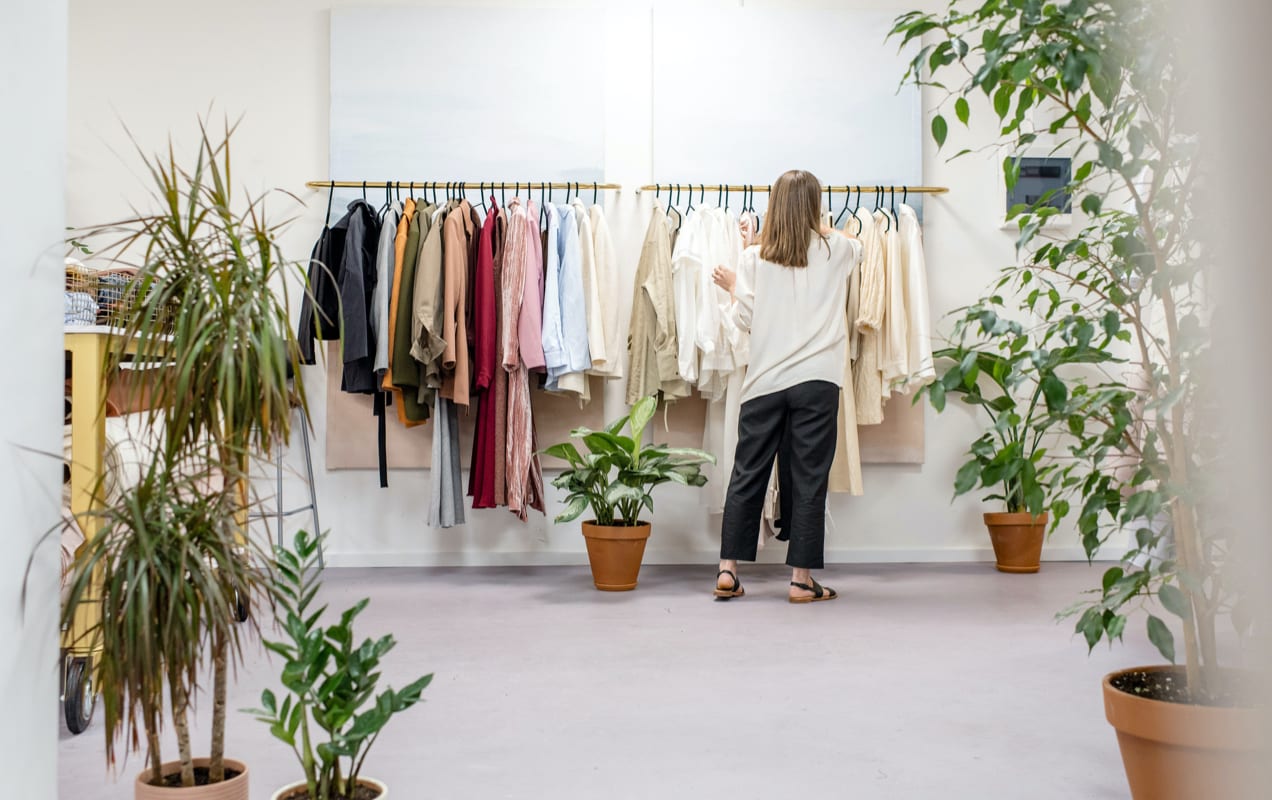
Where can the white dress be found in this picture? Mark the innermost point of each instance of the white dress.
(920, 369)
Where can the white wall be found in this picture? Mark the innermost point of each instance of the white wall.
(32, 163)
(156, 64)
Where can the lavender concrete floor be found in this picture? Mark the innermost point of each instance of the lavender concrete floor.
(921, 681)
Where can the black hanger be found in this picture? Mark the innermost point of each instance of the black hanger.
(388, 200)
(847, 202)
(726, 197)
(594, 188)
(689, 207)
(364, 191)
(331, 194)
(481, 195)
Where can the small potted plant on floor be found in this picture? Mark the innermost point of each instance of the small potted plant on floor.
(997, 367)
(330, 714)
(614, 480)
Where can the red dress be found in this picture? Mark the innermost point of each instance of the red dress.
(486, 366)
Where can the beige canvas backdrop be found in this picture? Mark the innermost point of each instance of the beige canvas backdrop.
(351, 428)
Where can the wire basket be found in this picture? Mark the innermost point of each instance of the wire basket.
(81, 280)
(115, 296)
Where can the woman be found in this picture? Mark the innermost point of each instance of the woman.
(790, 293)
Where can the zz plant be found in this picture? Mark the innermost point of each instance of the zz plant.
(1100, 81)
(617, 474)
(330, 714)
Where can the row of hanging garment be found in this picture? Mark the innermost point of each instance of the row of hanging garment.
(681, 339)
(444, 307)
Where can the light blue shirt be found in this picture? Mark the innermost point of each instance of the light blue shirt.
(565, 345)
(553, 338)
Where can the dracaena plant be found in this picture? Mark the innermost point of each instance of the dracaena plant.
(210, 302)
(615, 477)
(1100, 81)
(163, 576)
(330, 714)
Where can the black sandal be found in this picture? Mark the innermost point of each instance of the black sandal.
(819, 592)
(728, 594)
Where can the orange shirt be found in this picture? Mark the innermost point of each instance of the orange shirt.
(399, 253)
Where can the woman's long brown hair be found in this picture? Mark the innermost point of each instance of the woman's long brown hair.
(793, 218)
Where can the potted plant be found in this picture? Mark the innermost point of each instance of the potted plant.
(1100, 81)
(330, 714)
(614, 480)
(165, 569)
(210, 302)
(1000, 367)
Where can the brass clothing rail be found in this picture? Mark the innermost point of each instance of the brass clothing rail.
(461, 186)
(743, 187)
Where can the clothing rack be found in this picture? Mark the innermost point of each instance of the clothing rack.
(746, 187)
(461, 186)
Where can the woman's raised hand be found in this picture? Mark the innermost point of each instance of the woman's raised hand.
(725, 278)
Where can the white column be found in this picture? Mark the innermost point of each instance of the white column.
(32, 212)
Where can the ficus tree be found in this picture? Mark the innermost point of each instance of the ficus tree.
(1100, 81)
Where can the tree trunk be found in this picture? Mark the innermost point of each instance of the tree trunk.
(152, 746)
(181, 722)
(216, 766)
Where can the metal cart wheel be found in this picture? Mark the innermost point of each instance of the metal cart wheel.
(79, 699)
(242, 607)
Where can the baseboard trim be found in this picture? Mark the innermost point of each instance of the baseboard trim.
(772, 556)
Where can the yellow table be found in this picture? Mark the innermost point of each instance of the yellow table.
(87, 347)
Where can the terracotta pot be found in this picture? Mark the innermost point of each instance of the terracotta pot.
(370, 782)
(1175, 751)
(1017, 540)
(615, 553)
(233, 789)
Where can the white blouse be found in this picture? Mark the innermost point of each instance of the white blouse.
(795, 315)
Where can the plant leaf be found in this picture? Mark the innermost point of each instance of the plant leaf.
(1162, 638)
(1175, 601)
(642, 413)
(940, 129)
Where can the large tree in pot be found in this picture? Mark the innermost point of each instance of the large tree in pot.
(1101, 80)
(210, 302)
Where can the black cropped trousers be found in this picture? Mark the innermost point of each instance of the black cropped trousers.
(798, 426)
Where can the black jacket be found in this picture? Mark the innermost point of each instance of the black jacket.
(356, 278)
(342, 278)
